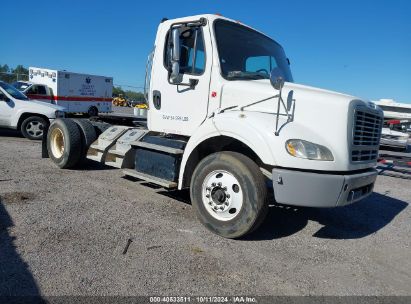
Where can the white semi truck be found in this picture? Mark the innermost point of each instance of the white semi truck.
(226, 120)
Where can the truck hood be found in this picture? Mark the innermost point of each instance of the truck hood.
(241, 93)
(316, 115)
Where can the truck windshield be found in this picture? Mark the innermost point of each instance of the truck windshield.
(12, 91)
(248, 54)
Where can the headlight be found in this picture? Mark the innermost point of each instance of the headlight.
(305, 149)
(60, 114)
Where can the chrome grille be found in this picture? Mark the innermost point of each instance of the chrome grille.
(366, 135)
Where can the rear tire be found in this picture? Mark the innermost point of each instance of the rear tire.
(89, 135)
(64, 143)
(33, 127)
(229, 194)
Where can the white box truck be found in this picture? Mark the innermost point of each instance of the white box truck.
(227, 121)
(78, 93)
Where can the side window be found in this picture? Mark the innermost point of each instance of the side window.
(41, 90)
(32, 90)
(192, 53)
(260, 64)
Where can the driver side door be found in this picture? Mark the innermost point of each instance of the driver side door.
(179, 108)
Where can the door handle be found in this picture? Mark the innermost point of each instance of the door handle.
(157, 99)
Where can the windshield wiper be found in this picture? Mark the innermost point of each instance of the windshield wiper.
(246, 75)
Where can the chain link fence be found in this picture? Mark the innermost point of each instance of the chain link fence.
(13, 77)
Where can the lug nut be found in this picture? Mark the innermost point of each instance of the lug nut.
(213, 184)
(221, 208)
(228, 195)
(225, 188)
(227, 203)
(210, 203)
(220, 184)
(215, 207)
(208, 188)
(207, 195)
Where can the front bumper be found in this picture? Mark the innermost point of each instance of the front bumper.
(311, 189)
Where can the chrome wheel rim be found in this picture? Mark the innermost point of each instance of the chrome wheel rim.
(57, 143)
(222, 195)
(35, 128)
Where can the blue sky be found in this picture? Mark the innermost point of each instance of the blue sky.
(359, 47)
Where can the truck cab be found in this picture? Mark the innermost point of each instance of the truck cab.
(39, 92)
(226, 119)
(35, 91)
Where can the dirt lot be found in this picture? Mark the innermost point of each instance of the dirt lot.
(64, 232)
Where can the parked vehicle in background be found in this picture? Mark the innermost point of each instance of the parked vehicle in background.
(31, 117)
(395, 139)
(394, 110)
(400, 125)
(78, 93)
(40, 92)
(21, 85)
(225, 119)
(119, 101)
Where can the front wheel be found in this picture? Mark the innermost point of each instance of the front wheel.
(229, 194)
(33, 127)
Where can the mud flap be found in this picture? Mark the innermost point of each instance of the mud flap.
(44, 152)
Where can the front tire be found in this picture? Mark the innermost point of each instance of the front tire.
(229, 194)
(33, 127)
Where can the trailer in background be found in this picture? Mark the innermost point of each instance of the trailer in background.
(78, 93)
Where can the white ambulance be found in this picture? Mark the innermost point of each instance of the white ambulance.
(78, 93)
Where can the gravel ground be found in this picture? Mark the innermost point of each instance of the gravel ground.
(64, 232)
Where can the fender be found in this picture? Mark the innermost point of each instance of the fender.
(230, 125)
(15, 119)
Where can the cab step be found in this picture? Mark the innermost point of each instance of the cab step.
(151, 179)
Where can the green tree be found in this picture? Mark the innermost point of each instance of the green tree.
(117, 91)
(10, 75)
(21, 73)
(137, 96)
(5, 73)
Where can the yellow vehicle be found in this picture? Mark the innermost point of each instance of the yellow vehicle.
(120, 101)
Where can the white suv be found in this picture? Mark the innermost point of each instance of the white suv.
(29, 116)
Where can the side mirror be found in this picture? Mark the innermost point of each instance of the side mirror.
(175, 57)
(277, 78)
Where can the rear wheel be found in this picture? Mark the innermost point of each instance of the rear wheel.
(89, 135)
(229, 194)
(64, 143)
(33, 127)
